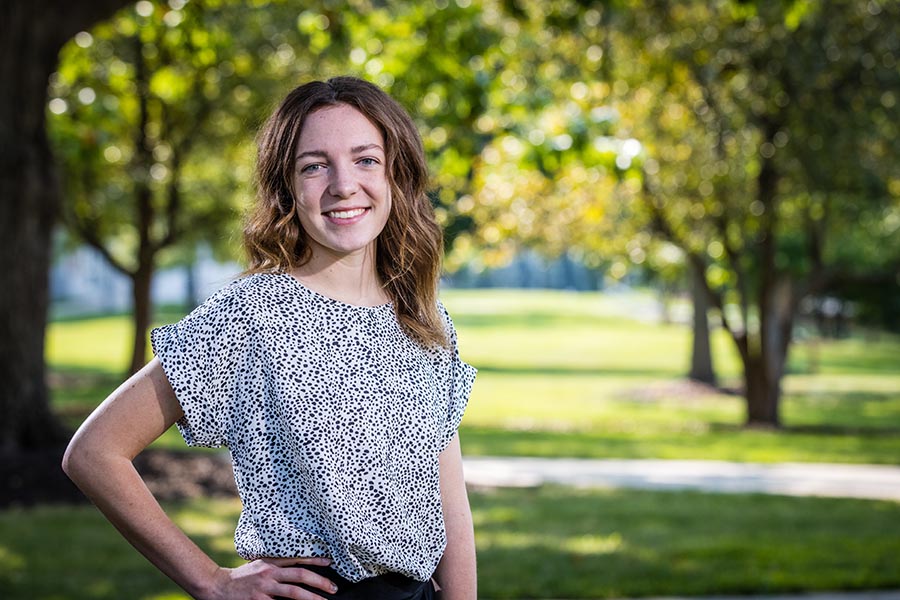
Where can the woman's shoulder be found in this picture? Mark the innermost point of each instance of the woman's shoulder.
(246, 286)
(245, 293)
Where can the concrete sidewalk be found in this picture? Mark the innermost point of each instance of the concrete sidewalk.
(881, 482)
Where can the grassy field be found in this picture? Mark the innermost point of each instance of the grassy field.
(564, 374)
(575, 374)
(549, 542)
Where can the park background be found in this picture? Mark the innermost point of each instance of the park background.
(711, 188)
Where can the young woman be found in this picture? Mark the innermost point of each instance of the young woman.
(329, 370)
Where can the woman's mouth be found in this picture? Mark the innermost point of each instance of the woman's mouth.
(346, 215)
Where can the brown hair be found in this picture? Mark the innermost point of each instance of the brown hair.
(409, 249)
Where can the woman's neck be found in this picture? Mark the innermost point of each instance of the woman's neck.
(352, 280)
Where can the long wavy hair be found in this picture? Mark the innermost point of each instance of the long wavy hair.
(409, 248)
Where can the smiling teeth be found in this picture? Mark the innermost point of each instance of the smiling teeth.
(346, 214)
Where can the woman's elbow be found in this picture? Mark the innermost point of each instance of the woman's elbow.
(74, 460)
(83, 459)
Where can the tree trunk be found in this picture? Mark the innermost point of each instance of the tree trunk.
(766, 367)
(143, 159)
(701, 352)
(762, 397)
(29, 203)
(143, 309)
(664, 297)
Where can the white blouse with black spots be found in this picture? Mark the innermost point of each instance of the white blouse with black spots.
(333, 416)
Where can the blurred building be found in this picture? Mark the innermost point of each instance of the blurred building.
(530, 270)
(83, 283)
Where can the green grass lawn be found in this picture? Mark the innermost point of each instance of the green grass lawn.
(548, 542)
(576, 374)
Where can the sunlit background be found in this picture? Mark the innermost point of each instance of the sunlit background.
(672, 231)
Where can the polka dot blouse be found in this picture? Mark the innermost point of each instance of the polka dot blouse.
(333, 416)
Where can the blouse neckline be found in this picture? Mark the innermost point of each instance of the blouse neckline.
(330, 300)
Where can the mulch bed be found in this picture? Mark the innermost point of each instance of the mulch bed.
(35, 477)
(684, 390)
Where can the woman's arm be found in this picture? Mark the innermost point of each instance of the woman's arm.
(99, 460)
(456, 572)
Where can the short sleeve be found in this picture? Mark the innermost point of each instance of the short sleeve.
(206, 357)
(460, 379)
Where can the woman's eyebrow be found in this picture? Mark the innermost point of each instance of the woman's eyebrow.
(317, 153)
(353, 150)
(364, 147)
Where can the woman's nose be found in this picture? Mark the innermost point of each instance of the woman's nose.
(343, 183)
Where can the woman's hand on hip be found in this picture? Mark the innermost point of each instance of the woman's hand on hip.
(268, 578)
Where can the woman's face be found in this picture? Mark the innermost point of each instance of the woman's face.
(340, 183)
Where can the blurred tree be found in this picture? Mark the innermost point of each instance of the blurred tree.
(31, 34)
(150, 122)
(771, 137)
(558, 160)
(546, 173)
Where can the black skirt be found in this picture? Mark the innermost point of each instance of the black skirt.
(390, 586)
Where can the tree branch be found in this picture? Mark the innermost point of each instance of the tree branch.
(87, 226)
(88, 232)
(173, 204)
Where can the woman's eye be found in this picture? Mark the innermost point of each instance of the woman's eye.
(368, 162)
(311, 168)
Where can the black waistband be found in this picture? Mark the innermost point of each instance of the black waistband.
(389, 586)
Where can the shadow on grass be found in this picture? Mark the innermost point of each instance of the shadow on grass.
(821, 430)
(881, 361)
(561, 543)
(838, 430)
(548, 542)
(496, 441)
(79, 375)
(74, 553)
(844, 398)
(697, 441)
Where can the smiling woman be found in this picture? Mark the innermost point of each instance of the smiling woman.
(407, 253)
(343, 199)
(329, 370)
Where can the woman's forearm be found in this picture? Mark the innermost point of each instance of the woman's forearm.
(456, 573)
(99, 461)
(117, 490)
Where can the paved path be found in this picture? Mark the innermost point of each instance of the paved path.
(795, 479)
